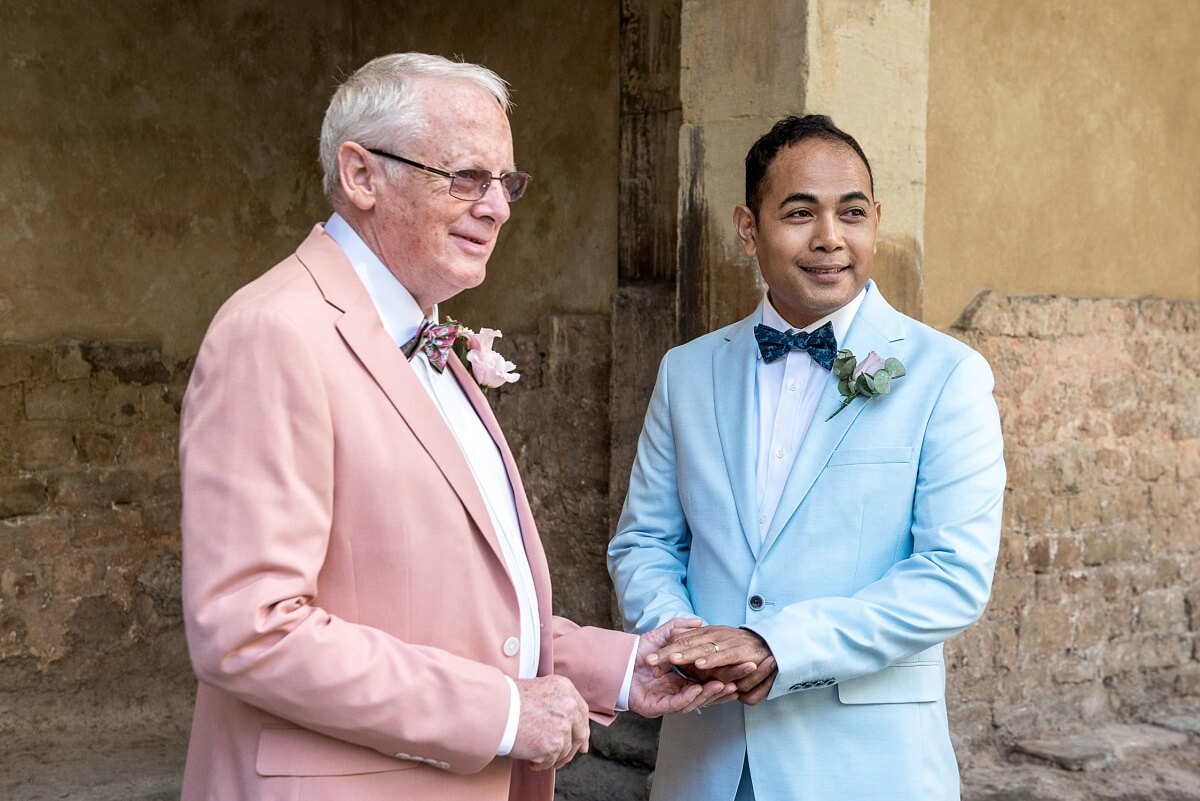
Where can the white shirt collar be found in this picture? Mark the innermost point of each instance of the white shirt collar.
(841, 318)
(400, 314)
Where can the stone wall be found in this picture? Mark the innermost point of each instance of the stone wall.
(90, 618)
(1096, 605)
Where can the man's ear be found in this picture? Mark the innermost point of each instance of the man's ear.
(878, 217)
(358, 175)
(746, 227)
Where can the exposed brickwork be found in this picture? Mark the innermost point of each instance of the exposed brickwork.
(1094, 614)
(90, 620)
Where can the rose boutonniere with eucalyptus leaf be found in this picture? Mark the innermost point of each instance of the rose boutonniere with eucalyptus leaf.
(871, 378)
(488, 367)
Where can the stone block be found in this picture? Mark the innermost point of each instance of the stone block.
(161, 516)
(100, 487)
(12, 404)
(61, 400)
(120, 405)
(33, 538)
(1161, 611)
(1188, 459)
(69, 363)
(160, 404)
(96, 448)
(1039, 553)
(21, 496)
(132, 362)
(1075, 667)
(145, 445)
(1101, 747)
(1156, 461)
(107, 526)
(43, 446)
(22, 363)
(160, 579)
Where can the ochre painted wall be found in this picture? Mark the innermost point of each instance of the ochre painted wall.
(1063, 151)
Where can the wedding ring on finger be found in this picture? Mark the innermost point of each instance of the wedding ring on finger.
(716, 647)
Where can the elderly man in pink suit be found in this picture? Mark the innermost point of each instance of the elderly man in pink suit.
(366, 599)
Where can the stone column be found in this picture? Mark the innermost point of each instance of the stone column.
(745, 65)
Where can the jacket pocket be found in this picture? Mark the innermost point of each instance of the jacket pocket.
(906, 683)
(870, 456)
(301, 752)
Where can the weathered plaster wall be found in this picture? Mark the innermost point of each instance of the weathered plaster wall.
(172, 157)
(558, 252)
(1062, 150)
(156, 157)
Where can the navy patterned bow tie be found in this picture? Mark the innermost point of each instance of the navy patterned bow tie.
(434, 340)
(820, 344)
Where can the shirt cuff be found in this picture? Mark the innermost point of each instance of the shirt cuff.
(623, 698)
(514, 716)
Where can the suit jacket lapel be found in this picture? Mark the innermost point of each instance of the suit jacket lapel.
(734, 398)
(877, 327)
(534, 552)
(362, 331)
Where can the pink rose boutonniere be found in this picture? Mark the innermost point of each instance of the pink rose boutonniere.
(489, 367)
(870, 378)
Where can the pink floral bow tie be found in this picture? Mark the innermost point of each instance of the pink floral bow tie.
(435, 340)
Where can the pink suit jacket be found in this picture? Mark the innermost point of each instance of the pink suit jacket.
(345, 597)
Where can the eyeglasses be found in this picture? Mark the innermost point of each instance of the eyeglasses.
(469, 184)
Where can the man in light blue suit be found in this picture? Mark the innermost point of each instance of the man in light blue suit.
(832, 528)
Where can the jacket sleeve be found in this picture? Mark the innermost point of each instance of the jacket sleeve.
(256, 456)
(648, 557)
(597, 662)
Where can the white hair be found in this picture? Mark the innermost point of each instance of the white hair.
(378, 107)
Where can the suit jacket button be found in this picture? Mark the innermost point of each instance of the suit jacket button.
(511, 646)
(756, 602)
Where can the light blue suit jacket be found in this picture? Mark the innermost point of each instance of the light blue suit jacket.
(882, 548)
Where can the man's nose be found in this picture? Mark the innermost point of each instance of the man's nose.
(827, 235)
(493, 204)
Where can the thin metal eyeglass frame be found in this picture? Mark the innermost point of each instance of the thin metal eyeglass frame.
(462, 174)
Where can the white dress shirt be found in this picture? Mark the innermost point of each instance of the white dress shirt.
(788, 392)
(401, 318)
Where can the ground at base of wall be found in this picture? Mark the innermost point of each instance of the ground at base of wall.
(140, 766)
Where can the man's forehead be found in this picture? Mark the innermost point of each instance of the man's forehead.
(820, 168)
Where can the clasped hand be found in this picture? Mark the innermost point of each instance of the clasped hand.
(738, 658)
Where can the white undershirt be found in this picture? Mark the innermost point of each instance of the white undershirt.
(788, 392)
(401, 318)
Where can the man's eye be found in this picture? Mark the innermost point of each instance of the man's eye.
(799, 213)
(855, 212)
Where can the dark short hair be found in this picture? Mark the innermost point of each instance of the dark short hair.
(785, 133)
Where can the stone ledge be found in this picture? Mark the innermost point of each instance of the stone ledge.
(1103, 746)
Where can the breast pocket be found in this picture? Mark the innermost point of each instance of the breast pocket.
(849, 456)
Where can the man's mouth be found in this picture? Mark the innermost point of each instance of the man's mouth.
(474, 240)
(832, 269)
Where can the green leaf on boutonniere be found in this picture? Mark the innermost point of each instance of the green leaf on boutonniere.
(894, 368)
(844, 364)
